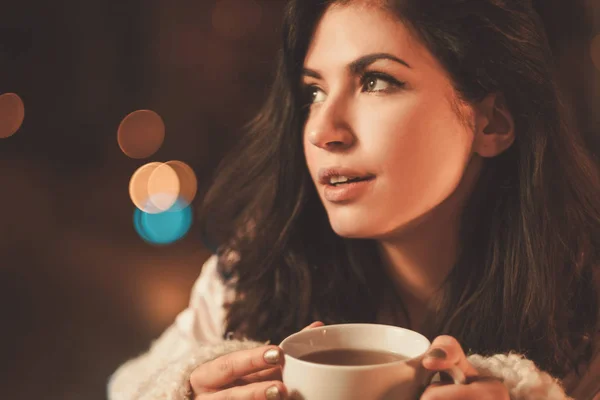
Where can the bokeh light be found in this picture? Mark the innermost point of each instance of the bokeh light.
(165, 227)
(161, 298)
(138, 188)
(163, 187)
(157, 187)
(235, 19)
(188, 183)
(141, 134)
(12, 113)
(595, 51)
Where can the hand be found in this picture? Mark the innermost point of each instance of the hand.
(446, 352)
(246, 374)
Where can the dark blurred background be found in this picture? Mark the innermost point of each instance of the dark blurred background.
(81, 291)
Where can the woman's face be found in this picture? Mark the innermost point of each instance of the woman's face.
(393, 117)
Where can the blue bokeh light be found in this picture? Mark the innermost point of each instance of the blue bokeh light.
(166, 227)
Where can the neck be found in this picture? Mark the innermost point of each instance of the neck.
(419, 257)
(420, 262)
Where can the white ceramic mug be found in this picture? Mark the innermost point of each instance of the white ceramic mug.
(398, 380)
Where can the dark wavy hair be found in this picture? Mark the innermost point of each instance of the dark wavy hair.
(524, 278)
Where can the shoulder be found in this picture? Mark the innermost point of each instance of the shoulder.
(209, 278)
(204, 318)
(213, 283)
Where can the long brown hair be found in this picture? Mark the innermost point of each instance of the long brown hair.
(530, 232)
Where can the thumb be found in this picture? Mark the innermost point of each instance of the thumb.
(446, 353)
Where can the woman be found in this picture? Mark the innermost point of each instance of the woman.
(475, 222)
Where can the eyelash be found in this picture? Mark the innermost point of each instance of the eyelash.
(383, 77)
(364, 79)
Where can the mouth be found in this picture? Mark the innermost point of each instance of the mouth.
(335, 182)
(345, 189)
(339, 176)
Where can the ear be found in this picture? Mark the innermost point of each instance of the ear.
(494, 126)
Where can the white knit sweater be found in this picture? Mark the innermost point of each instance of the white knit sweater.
(195, 337)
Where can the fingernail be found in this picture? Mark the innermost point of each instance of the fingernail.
(438, 354)
(271, 356)
(272, 393)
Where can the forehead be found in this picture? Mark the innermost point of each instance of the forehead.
(346, 32)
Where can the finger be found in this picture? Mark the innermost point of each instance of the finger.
(315, 324)
(444, 353)
(436, 384)
(230, 367)
(272, 374)
(272, 390)
(480, 390)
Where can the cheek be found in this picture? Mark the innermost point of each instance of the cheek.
(418, 136)
(428, 168)
(422, 160)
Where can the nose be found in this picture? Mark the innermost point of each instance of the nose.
(328, 125)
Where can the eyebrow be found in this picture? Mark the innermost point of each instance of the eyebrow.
(359, 65)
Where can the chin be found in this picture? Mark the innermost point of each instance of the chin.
(352, 235)
(352, 227)
(352, 230)
(352, 223)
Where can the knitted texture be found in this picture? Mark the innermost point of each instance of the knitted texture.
(522, 378)
(162, 372)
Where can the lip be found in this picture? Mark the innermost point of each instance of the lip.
(325, 174)
(347, 191)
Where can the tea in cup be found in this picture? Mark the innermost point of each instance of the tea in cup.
(356, 361)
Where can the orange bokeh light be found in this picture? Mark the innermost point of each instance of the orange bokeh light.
(138, 188)
(12, 114)
(162, 298)
(141, 133)
(157, 187)
(188, 182)
(163, 187)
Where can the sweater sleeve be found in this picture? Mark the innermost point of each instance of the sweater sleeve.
(521, 377)
(194, 337)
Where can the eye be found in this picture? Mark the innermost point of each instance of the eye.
(313, 94)
(378, 82)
